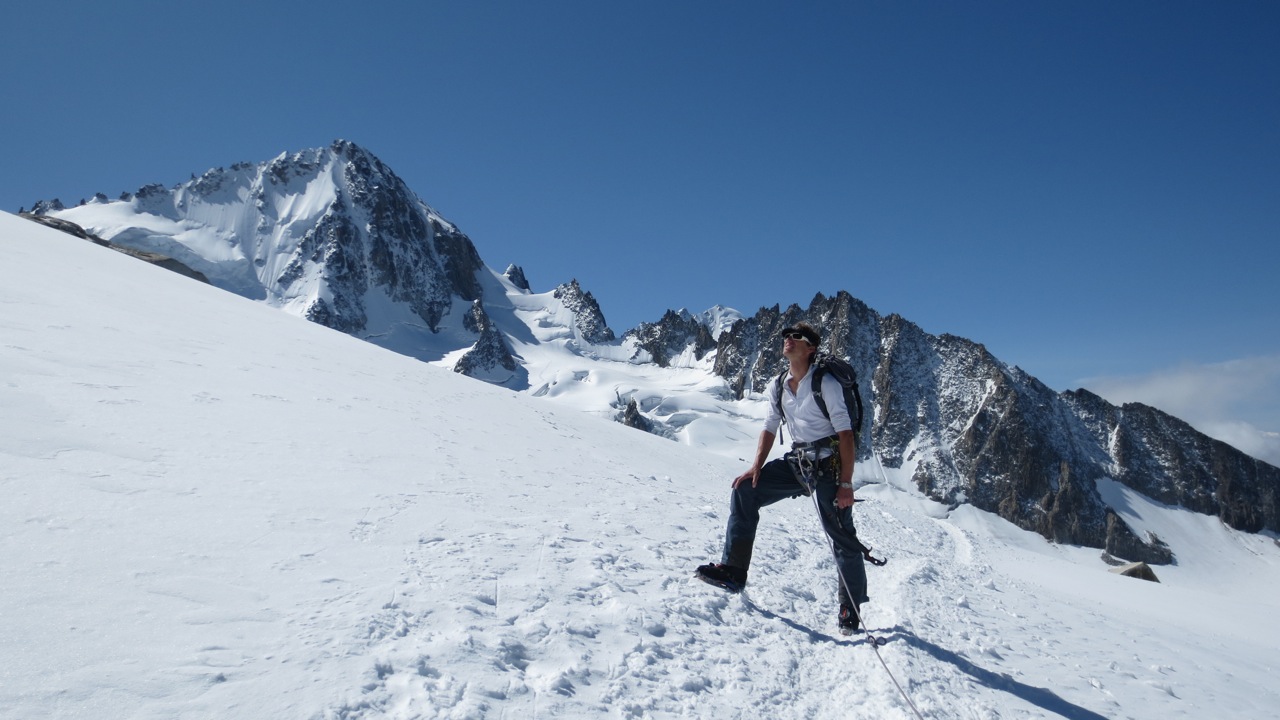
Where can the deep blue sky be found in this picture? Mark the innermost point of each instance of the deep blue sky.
(1088, 188)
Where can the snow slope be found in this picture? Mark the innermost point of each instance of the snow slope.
(213, 509)
(243, 227)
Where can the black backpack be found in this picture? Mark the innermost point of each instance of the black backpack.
(848, 377)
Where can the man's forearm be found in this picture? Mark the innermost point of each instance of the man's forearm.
(847, 455)
(764, 447)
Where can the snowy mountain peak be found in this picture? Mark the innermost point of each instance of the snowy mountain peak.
(220, 511)
(333, 235)
(718, 319)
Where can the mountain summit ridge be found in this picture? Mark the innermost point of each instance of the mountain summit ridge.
(214, 509)
(981, 432)
(334, 235)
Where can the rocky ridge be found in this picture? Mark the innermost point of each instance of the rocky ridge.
(981, 432)
(332, 234)
(588, 318)
(671, 336)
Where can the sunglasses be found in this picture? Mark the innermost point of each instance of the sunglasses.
(796, 336)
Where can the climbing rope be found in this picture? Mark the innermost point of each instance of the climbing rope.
(872, 640)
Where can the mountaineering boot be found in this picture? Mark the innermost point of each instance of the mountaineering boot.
(724, 576)
(849, 619)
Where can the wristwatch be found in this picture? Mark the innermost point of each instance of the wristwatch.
(848, 485)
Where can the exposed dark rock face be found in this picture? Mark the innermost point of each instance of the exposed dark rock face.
(671, 336)
(490, 352)
(1169, 461)
(336, 244)
(1121, 542)
(632, 417)
(367, 234)
(44, 207)
(588, 318)
(336, 235)
(988, 434)
(412, 254)
(515, 274)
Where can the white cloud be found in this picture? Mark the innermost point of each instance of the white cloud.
(1237, 402)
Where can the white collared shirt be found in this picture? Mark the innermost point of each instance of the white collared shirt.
(805, 420)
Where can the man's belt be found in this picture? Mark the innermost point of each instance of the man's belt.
(825, 442)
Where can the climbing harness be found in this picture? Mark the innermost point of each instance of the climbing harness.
(808, 461)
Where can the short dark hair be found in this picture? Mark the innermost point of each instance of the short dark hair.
(809, 333)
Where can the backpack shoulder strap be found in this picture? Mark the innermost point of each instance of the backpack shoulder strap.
(819, 370)
(777, 393)
(777, 400)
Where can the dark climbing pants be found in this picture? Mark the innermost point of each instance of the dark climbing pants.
(779, 482)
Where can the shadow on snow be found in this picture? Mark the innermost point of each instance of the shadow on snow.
(1040, 697)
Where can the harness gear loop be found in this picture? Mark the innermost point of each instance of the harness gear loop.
(809, 461)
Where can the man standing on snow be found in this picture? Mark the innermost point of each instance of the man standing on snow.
(821, 460)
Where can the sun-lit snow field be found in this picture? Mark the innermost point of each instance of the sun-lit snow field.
(213, 509)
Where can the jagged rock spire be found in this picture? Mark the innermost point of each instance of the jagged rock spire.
(490, 359)
(588, 318)
(515, 274)
(675, 333)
